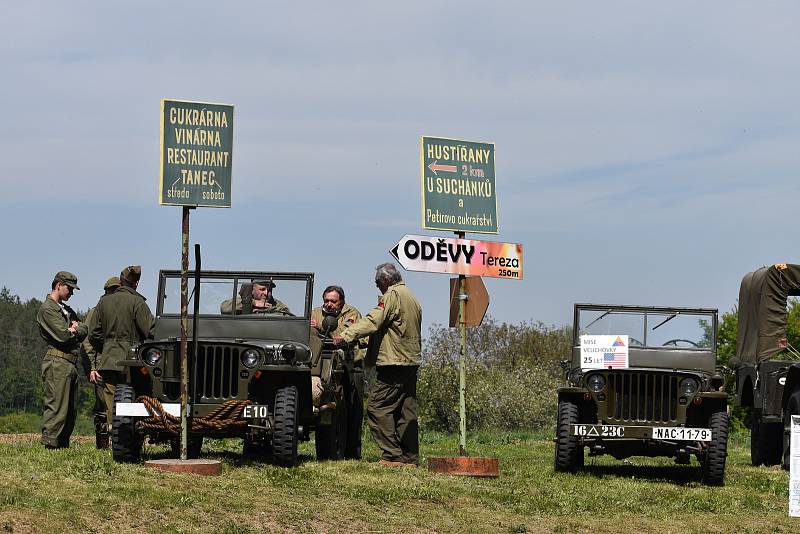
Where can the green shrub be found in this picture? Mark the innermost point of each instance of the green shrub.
(511, 378)
(20, 423)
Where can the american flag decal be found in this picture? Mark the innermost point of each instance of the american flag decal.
(615, 360)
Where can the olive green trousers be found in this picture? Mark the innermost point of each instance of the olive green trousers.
(60, 386)
(108, 383)
(392, 413)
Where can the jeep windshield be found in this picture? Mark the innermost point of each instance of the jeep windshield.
(649, 327)
(226, 295)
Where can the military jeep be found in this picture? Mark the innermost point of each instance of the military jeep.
(249, 373)
(766, 365)
(642, 381)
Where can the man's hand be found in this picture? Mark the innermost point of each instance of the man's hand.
(338, 340)
(73, 327)
(93, 377)
(314, 323)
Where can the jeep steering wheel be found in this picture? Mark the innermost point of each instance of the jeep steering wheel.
(674, 342)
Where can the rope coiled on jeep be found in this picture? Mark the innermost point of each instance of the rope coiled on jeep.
(226, 416)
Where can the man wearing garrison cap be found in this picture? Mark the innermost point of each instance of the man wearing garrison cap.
(121, 320)
(63, 333)
(91, 361)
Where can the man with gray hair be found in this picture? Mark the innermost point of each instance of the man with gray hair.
(395, 348)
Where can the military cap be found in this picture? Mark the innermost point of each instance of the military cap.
(68, 278)
(265, 282)
(132, 273)
(111, 283)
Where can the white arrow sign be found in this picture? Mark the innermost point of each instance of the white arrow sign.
(459, 256)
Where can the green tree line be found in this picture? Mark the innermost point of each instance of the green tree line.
(21, 353)
(512, 369)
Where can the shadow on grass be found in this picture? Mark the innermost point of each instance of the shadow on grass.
(683, 475)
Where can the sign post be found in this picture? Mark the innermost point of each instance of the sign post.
(196, 159)
(458, 195)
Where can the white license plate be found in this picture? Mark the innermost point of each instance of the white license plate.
(598, 431)
(255, 411)
(681, 433)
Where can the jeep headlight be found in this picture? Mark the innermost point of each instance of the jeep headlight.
(249, 358)
(596, 383)
(152, 356)
(689, 386)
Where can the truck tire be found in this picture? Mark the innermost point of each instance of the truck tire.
(792, 408)
(126, 447)
(765, 440)
(284, 437)
(569, 451)
(717, 451)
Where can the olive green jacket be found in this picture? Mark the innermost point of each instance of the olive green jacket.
(394, 327)
(121, 320)
(226, 307)
(54, 326)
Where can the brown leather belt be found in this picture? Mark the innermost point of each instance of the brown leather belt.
(72, 358)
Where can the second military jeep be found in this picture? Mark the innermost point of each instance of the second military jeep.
(249, 375)
(642, 381)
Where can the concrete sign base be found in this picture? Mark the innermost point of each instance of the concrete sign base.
(465, 466)
(194, 467)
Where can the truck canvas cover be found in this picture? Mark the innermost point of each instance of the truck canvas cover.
(762, 312)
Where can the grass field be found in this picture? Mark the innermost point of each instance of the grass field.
(82, 490)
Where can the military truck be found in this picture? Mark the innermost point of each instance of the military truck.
(249, 372)
(766, 366)
(642, 381)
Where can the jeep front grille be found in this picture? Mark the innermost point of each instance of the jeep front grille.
(216, 373)
(640, 397)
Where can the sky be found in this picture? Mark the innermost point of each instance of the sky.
(646, 153)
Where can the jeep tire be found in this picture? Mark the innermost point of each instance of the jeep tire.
(126, 447)
(568, 450)
(284, 438)
(792, 408)
(713, 464)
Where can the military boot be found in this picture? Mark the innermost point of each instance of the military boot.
(101, 432)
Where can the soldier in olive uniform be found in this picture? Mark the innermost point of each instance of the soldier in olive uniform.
(63, 333)
(121, 320)
(334, 305)
(91, 358)
(255, 298)
(395, 347)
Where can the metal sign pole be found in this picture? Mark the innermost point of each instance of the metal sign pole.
(462, 362)
(184, 330)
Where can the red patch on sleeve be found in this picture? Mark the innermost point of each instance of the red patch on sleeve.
(380, 304)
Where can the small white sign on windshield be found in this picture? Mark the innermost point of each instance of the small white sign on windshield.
(604, 352)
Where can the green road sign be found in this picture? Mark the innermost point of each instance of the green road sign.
(196, 154)
(458, 192)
